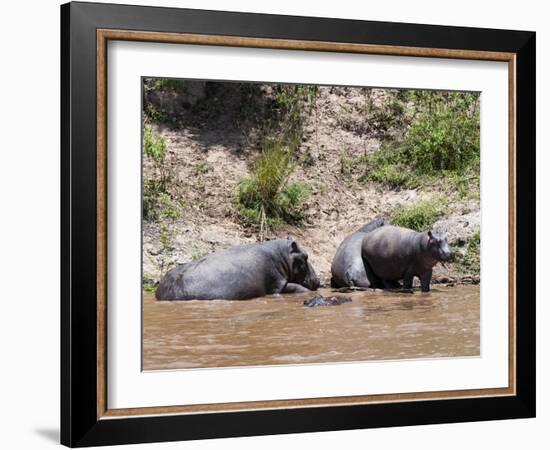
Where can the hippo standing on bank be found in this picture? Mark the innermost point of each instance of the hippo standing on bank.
(348, 268)
(241, 272)
(395, 253)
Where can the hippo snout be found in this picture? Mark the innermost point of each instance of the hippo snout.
(315, 284)
(444, 250)
(446, 255)
(311, 280)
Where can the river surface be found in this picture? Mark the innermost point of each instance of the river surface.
(280, 330)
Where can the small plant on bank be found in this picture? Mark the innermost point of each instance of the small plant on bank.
(385, 167)
(202, 167)
(155, 111)
(154, 146)
(165, 84)
(470, 261)
(420, 216)
(195, 255)
(291, 99)
(148, 285)
(267, 198)
(165, 216)
(156, 185)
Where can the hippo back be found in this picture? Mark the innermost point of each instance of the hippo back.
(373, 225)
(239, 272)
(348, 268)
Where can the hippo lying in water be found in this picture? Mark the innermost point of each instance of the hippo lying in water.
(348, 268)
(241, 272)
(394, 253)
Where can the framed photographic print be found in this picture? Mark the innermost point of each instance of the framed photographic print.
(277, 224)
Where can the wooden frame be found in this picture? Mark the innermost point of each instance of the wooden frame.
(86, 418)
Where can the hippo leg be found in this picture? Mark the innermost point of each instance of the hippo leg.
(357, 280)
(291, 288)
(374, 281)
(425, 279)
(391, 284)
(361, 282)
(408, 281)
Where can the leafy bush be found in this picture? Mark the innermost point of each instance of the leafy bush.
(153, 105)
(384, 167)
(154, 147)
(293, 194)
(148, 285)
(165, 84)
(420, 216)
(470, 261)
(443, 138)
(291, 99)
(266, 198)
(154, 188)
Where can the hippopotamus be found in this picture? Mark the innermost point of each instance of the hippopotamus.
(394, 253)
(319, 300)
(348, 268)
(241, 272)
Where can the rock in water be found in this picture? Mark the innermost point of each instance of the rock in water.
(319, 300)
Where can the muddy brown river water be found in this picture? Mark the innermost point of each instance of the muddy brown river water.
(280, 330)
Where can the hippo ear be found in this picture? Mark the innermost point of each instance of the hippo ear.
(293, 247)
(430, 237)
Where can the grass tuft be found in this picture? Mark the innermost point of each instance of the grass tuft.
(420, 216)
(267, 198)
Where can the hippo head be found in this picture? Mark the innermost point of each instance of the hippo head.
(438, 246)
(302, 271)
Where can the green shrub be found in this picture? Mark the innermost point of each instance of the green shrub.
(386, 166)
(154, 110)
(293, 193)
(465, 184)
(154, 147)
(156, 184)
(202, 167)
(156, 114)
(196, 254)
(165, 84)
(292, 100)
(171, 84)
(149, 286)
(420, 216)
(266, 198)
(287, 207)
(470, 262)
(443, 139)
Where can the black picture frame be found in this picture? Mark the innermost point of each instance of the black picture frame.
(80, 425)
